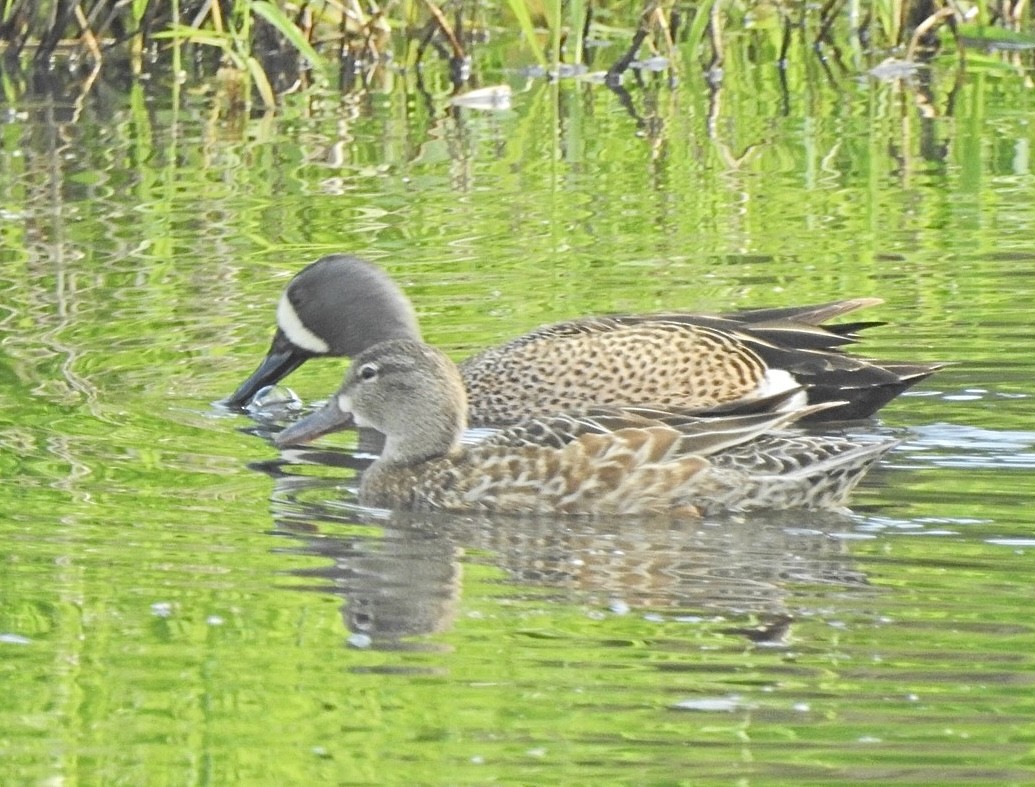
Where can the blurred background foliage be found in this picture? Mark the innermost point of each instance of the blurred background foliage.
(255, 51)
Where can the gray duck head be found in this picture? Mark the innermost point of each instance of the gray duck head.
(409, 392)
(339, 305)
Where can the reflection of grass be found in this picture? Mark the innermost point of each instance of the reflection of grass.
(262, 48)
(233, 38)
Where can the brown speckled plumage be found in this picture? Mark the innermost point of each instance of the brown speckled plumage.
(341, 305)
(606, 461)
(563, 368)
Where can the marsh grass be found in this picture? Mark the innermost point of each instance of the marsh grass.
(270, 48)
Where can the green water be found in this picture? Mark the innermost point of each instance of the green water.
(179, 604)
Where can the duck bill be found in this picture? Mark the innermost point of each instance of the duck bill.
(282, 359)
(329, 418)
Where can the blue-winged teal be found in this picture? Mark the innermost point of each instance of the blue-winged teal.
(608, 461)
(341, 305)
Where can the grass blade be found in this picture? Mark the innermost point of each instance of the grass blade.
(279, 20)
(520, 11)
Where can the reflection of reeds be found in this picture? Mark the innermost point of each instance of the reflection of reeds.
(268, 47)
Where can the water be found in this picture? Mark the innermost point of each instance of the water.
(180, 603)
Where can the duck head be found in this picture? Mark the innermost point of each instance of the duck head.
(409, 392)
(339, 305)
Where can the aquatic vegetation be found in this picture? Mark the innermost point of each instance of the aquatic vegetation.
(258, 50)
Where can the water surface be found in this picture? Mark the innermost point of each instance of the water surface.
(181, 603)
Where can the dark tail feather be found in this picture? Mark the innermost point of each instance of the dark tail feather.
(864, 397)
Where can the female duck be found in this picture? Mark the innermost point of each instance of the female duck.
(608, 461)
(740, 362)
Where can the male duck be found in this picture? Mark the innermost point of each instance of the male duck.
(341, 305)
(609, 461)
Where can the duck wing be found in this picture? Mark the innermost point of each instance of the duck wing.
(636, 460)
(709, 363)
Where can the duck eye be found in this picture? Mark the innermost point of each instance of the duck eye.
(368, 372)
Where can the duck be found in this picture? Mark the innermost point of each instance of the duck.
(743, 361)
(606, 461)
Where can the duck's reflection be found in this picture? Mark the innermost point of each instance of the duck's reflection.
(400, 576)
(395, 583)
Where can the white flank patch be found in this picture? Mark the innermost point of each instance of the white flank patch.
(297, 333)
(776, 381)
